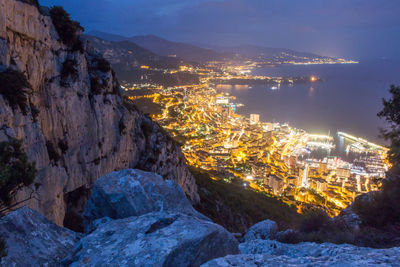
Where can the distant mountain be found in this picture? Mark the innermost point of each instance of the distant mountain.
(127, 55)
(127, 59)
(107, 36)
(199, 54)
(254, 51)
(167, 48)
(185, 51)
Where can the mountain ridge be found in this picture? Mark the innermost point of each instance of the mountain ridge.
(166, 47)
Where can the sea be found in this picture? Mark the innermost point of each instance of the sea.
(347, 98)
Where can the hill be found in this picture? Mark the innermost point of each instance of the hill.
(167, 48)
(181, 50)
(126, 55)
(272, 54)
(133, 63)
(200, 54)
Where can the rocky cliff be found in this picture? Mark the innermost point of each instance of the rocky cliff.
(73, 123)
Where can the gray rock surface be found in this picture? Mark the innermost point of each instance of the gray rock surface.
(131, 192)
(261, 230)
(92, 134)
(273, 253)
(153, 239)
(259, 260)
(33, 240)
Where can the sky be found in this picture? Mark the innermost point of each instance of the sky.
(356, 29)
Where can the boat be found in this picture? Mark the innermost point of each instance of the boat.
(274, 88)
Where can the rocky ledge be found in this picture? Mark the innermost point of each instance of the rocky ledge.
(135, 218)
(258, 250)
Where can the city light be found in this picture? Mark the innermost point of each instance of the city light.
(269, 157)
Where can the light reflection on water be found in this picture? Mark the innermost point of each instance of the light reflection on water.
(347, 100)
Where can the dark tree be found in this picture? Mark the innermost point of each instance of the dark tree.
(391, 113)
(14, 87)
(15, 170)
(382, 208)
(66, 28)
(3, 252)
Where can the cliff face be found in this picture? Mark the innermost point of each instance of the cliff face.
(76, 127)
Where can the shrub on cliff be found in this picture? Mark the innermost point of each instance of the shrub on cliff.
(15, 170)
(379, 209)
(95, 87)
(3, 252)
(391, 114)
(66, 28)
(69, 68)
(313, 221)
(31, 2)
(13, 87)
(102, 64)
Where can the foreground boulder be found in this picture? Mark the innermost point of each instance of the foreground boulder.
(262, 230)
(131, 192)
(33, 240)
(269, 252)
(153, 239)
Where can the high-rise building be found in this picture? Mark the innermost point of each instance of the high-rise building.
(254, 118)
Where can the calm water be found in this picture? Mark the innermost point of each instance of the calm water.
(347, 100)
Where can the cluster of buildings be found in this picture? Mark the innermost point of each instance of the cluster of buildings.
(271, 157)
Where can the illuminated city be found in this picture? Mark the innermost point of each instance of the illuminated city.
(206, 133)
(270, 157)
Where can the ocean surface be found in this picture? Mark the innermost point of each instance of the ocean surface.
(348, 98)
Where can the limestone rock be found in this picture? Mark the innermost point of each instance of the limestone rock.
(262, 230)
(153, 239)
(32, 240)
(260, 260)
(273, 253)
(131, 192)
(74, 133)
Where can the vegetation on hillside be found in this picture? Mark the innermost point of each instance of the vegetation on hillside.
(14, 88)
(3, 252)
(237, 208)
(31, 2)
(69, 69)
(102, 64)
(15, 170)
(66, 28)
(147, 106)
